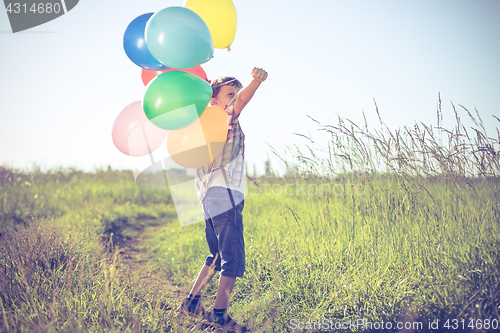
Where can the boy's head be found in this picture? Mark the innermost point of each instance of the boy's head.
(224, 89)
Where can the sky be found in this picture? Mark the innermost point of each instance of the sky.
(63, 83)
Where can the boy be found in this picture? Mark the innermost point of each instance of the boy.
(220, 190)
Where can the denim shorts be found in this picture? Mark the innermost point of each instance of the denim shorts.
(224, 230)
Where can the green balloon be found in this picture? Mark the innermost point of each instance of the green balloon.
(175, 99)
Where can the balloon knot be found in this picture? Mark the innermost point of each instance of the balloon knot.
(228, 48)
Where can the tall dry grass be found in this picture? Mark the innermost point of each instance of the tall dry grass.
(422, 151)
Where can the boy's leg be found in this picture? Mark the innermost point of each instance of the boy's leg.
(228, 226)
(213, 262)
(226, 284)
(219, 317)
(204, 277)
(191, 305)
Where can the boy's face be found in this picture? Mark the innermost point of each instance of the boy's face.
(225, 96)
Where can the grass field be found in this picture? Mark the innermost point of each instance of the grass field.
(392, 228)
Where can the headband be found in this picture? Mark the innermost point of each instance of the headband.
(223, 83)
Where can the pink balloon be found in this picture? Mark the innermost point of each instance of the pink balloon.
(134, 134)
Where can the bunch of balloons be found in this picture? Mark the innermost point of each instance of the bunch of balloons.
(169, 46)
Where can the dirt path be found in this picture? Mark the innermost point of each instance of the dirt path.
(133, 239)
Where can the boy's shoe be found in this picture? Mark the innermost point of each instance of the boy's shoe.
(225, 322)
(191, 310)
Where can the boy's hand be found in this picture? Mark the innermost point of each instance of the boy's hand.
(259, 74)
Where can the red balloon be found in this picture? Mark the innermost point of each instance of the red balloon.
(148, 75)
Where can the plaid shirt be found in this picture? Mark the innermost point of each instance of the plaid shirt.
(230, 159)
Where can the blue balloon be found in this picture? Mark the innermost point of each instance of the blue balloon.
(135, 44)
(179, 38)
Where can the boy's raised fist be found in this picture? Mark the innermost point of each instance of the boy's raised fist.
(259, 74)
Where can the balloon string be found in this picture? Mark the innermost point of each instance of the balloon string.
(151, 156)
(210, 151)
(230, 103)
(147, 144)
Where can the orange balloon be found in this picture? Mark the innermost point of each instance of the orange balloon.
(199, 143)
(147, 75)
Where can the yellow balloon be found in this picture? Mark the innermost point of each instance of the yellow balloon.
(220, 17)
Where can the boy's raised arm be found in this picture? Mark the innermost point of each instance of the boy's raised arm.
(245, 95)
